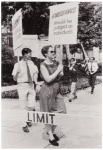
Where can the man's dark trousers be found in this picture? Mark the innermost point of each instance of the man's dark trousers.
(92, 78)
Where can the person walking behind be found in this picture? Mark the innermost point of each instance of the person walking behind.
(26, 73)
(73, 72)
(51, 71)
(92, 67)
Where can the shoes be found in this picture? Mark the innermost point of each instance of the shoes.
(56, 138)
(29, 124)
(75, 97)
(91, 92)
(25, 129)
(53, 142)
(70, 100)
(30, 109)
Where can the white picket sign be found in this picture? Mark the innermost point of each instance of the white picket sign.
(43, 117)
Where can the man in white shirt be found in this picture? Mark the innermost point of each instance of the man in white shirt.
(26, 73)
(92, 67)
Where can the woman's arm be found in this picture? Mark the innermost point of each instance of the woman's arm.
(49, 78)
(36, 82)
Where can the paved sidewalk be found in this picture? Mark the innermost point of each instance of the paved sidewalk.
(83, 131)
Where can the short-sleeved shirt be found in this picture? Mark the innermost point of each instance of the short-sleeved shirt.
(21, 67)
(94, 66)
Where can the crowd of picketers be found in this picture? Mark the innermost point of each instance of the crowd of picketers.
(51, 72)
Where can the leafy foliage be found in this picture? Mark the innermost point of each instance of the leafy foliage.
(80, 85)
(35, 15)
(7, 66)
(90, 24)
(36, 19)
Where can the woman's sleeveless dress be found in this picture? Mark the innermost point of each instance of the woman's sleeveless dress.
(50, 101)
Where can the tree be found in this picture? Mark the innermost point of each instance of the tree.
(90, 24)
(7, 56)
(35, 15)
(36, 19)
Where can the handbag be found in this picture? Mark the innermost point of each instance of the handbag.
(64, 88)
(61, 108)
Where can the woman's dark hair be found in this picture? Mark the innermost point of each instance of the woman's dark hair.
(93, 58)
(26, 51)
(72, 59)
(44, 50)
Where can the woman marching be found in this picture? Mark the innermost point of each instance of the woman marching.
(51, 71)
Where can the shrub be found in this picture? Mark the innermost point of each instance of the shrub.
(81, 84)
(10, 94)
(99, 67)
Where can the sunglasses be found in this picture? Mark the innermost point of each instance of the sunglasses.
(52, 52)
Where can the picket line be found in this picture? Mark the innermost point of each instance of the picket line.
(41, 117)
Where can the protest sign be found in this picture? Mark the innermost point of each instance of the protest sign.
(41, 117)
(63, 24)
(17, 29)
(28, 41)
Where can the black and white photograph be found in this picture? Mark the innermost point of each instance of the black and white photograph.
(51, 74)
